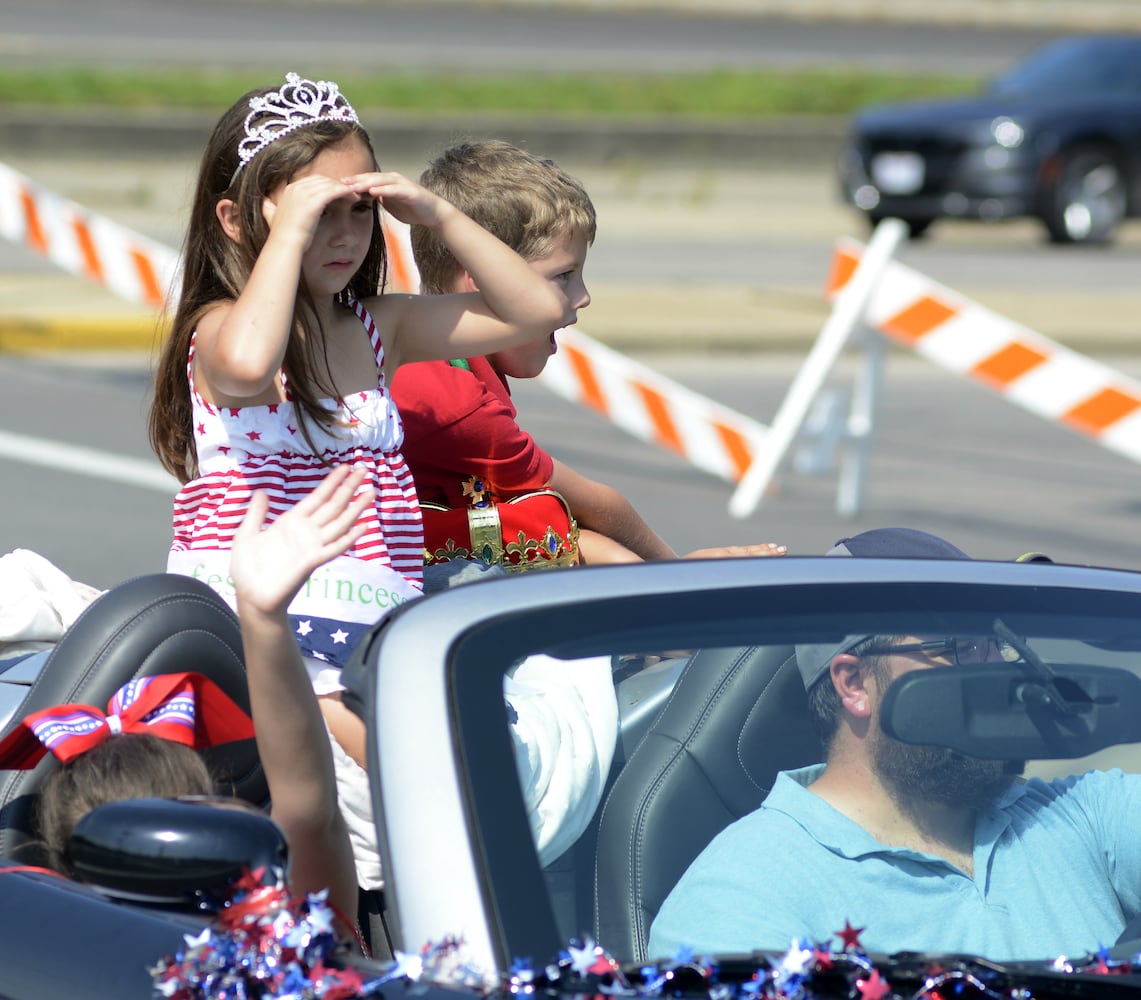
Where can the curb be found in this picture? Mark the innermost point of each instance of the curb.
(28, 335)
(782, 140)
(143, 334)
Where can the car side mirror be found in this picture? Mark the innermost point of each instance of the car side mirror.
(1000, 711)
(174, 852)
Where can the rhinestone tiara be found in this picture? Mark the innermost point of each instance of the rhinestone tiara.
(298, 103)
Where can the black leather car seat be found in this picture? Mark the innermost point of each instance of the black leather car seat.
(155, 624)
(736, 717)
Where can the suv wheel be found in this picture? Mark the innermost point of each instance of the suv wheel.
(1088, 202)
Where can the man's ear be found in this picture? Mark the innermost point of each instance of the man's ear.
(227, 212)
(466, 283)
(849, 677)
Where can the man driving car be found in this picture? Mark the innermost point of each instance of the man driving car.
(901, 847)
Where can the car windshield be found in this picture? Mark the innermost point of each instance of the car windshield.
(707, 719)
(1076, 67)
(608, 729)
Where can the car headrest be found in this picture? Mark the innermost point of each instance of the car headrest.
(175, 853)
(155, 624)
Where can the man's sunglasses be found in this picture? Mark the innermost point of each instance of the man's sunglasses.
(962, 651)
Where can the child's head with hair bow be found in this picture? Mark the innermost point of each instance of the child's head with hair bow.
(143, 747)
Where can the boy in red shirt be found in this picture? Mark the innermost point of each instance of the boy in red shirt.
(460, 426)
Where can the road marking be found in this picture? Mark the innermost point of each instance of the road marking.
(77, 460)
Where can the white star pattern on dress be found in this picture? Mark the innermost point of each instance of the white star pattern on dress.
(304, 628)
(339, 636)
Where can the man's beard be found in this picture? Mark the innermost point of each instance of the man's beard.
(935, 774)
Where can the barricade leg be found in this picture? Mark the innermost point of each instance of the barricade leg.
(861, 424)
(846, 315)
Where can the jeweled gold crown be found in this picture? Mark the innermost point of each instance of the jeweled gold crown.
(297, 104)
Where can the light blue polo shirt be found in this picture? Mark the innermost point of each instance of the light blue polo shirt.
(1057, 872)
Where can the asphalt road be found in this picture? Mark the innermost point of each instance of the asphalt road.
(337, 35)
(683, 256)
(689, 263)
(947, 456)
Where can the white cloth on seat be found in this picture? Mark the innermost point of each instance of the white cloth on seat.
(565, 737)
(353, 792)
(38, 601)
(354, 798)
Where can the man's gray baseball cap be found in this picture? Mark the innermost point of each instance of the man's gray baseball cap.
(815, 660)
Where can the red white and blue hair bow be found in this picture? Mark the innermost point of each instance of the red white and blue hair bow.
(186, 708)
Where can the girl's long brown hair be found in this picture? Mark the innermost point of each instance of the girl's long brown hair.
(215, 269)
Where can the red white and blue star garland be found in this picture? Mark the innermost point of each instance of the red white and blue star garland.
(268, 945)
(264, 944)
(808, 970)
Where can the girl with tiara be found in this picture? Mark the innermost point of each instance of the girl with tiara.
(282, 344)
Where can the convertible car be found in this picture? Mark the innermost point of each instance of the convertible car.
(709, 704)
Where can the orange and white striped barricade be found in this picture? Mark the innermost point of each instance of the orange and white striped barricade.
(637, 399)
(651, 407)
(846, 317)
(402, 274)
(1028, 369)
(132, 266)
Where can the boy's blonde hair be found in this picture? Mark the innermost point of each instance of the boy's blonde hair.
(527, 201)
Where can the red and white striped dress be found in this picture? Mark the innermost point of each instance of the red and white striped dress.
(242, 449)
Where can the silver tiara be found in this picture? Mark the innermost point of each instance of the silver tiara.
(298, 103)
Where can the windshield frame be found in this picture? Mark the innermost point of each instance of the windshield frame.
(458, 858)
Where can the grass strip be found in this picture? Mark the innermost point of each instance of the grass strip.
(720, 94)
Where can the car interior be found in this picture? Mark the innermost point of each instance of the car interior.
(154, 624)
(735, 716)
(702, 736)
(150, 625)
(701, 739)
(671, 753)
